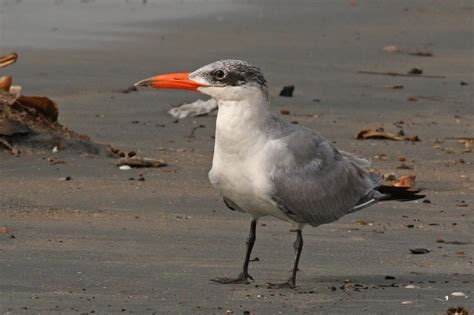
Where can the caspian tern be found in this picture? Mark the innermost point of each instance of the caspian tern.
(263, 165)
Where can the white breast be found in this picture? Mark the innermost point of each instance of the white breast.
(242, 160)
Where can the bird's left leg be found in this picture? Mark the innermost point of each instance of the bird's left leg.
(298, 245)
(244, 276)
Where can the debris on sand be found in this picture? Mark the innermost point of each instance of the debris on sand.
(420, 53)
(381, 157)
(4, 230)
(5, 83)
(287, 91)
(394, 87)
(419, 251)
(415, 71)
(398, 74)
(455, 242)
(8, 59)
(130, 89)
(197, 108)
(468, 142)
(407, 181)
(42, 105)
(4, 144)
(10, 127)
(380, 133)
(139, 162)
(457, 311)
(391, 49)
(389, 177)
(404, 166)
(461, 204)
(364, 222)
(56, 161)
(30, 122)
(459, 294)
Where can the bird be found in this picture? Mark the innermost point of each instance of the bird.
(265, 166)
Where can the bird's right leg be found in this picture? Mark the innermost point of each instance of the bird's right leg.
(244, 276)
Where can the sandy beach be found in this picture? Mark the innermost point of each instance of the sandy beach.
(105, 242)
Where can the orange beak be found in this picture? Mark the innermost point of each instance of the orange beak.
(171, 81)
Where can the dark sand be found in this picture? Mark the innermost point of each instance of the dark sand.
(107, 244)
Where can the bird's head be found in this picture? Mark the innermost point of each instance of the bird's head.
(226, 80)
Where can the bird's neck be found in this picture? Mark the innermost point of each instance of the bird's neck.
(240, 125)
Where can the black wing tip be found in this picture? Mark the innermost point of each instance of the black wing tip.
(399, 193)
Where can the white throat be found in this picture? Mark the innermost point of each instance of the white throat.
(240, 124)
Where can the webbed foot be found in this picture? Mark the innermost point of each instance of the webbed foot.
(290, 284)
(242, 278)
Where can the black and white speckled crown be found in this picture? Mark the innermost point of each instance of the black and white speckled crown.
(231, 73)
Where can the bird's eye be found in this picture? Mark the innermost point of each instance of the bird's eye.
(219, 74)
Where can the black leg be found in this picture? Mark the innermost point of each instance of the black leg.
(298, 245)
(244, 276)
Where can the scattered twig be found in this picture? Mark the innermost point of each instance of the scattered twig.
(398, 74)
(380, 133)
(421, 53)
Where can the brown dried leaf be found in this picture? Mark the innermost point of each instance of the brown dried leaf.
(41, 104)
(5, 83)
(408, 181)
(8, 60)
(380, 133)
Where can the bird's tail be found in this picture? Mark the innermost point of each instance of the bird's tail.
(398, 193)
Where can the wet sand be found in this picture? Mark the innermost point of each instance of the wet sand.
(104, 243)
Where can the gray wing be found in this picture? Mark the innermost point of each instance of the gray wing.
(323, 184)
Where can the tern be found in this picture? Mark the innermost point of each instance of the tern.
(266, 166)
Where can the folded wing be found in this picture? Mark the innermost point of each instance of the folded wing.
(322, 184)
